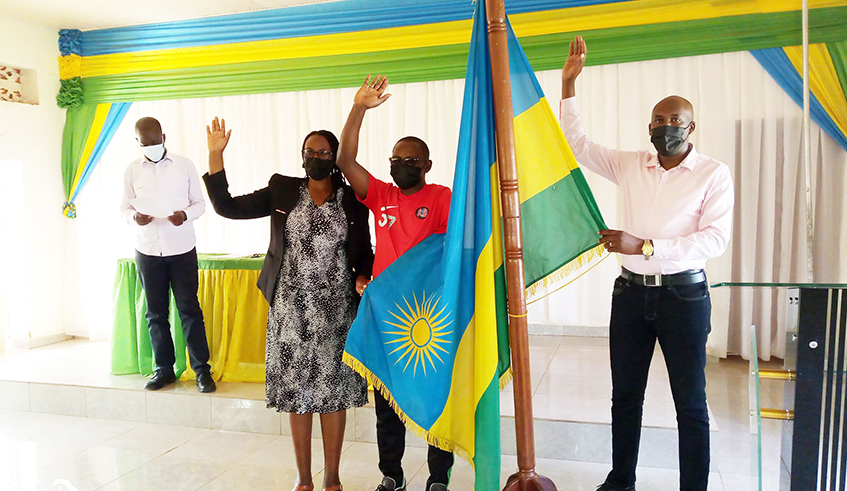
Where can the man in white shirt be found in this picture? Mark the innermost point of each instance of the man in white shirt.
(677, 213)
(164, 250)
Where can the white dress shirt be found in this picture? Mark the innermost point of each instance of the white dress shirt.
(686, 211)
(175, 180)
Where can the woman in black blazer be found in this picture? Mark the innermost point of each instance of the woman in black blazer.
(319, 261)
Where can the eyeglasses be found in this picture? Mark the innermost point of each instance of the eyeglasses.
(308, 153)
(400, 160)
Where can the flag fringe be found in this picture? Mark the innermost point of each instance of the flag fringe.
(589, 257)
(442, 443)
(506, 378)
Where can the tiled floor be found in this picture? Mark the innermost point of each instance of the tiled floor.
(570, 382)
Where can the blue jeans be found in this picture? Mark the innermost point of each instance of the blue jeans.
(679, 317)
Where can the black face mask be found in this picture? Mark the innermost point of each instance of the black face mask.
(317, 169)
(668, 139)
(405, 176)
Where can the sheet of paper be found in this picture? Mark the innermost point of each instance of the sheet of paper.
(155, 206)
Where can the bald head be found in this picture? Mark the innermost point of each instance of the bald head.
(670, 110)
(148, 131)
(671, 123)
(148, 124)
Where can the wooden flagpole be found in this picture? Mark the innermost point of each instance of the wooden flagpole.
(526, 478)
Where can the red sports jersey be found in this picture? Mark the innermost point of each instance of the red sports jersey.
(404, 221)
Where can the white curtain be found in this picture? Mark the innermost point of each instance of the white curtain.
(743, 119)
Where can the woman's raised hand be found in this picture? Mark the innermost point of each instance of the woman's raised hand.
(217, 136)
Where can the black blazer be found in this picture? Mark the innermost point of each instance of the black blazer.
(277, 200)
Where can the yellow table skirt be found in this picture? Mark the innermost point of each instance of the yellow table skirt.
(234, 310)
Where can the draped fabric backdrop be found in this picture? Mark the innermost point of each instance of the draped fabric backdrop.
(743, 119)
(330, 45)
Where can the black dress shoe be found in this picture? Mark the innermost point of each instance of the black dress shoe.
(205, 383)
(609, 487)
(160, 379)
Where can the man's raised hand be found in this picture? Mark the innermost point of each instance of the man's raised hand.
(576, 59)
(573, 66)
(372, 93)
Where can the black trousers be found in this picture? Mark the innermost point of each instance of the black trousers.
(159, 274)
(679, 318)
(391, 440)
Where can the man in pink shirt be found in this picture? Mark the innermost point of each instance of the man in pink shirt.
(677, 213)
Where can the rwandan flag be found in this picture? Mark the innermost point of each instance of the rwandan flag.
(432, 332)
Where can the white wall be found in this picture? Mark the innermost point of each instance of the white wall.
(31, 140)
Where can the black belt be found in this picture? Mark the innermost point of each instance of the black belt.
(684, 278)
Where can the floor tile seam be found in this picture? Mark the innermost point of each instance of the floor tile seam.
(134, 426)
(219, 474)
(183, 458)
(559, 342)
(128, 471)
(43, 432)
(271, 442)
(415, 475)
(543, 374)
(546, 368)
(231, 463)
(227, 466)
(138, 427)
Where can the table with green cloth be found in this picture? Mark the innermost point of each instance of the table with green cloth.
(234, 310)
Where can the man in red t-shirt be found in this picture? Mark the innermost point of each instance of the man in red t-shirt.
(406, 213)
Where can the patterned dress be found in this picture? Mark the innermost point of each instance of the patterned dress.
(313, 308)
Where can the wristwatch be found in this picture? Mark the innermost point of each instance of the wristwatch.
(647, 249)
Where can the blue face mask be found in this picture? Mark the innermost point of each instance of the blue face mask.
(668, 140)
(154, 153)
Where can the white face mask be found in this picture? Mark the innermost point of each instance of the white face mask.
(154, 153)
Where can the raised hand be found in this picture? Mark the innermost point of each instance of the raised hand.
(372, 93)
(576, 59)
(217, 136)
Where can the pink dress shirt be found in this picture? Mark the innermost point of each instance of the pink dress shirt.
(685, 211)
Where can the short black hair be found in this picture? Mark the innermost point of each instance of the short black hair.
(421, 144)
(330, 138)
(148, 123)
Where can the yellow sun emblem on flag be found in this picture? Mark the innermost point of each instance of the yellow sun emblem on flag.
(421, 334)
